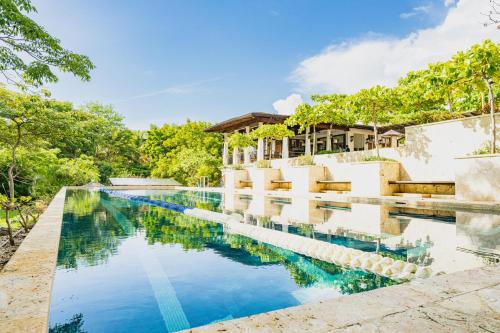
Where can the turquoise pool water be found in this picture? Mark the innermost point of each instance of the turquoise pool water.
(126, 266)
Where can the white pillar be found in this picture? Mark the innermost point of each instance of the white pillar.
(260, 148)
(236, 154)
(246, 150)
(284, 148)
(308, 142)
(329, 140)
(225, 151)
(273, 147)
(350, 143)
(394, 141)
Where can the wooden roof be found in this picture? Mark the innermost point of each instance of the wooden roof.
(248, 119)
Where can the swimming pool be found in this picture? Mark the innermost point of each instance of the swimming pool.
(126, 266)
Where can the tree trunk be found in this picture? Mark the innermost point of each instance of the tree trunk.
(9, 228)
(10, 181)
(375, 132)
(314, 140)
(12, 167)
(491, 100)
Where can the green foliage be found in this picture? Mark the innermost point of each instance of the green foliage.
(184, 152)
(325, 152)
(239, 140)
(304, 160)
(274, 131)
(305, 116)
(41, 173)
(485, 150)
(263, 164)
(28, 52)
(377, 158)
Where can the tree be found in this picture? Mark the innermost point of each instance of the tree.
(480, 65)
(333, 109)
(374, 106)
(29, 53)
(493, 15)
(25, 120)
(306, 116)
(176, 151)
(271, 132)
(239, 140)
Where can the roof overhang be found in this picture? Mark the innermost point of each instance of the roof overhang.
(237, 123)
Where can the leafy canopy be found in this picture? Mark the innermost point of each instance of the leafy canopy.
(30, 53)
(240, 140)
(274, 131)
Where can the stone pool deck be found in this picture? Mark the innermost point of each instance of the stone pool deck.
(467, 301)
(26, 280)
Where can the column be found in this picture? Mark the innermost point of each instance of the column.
(260, 148)
(308, 142)
(284, 148)
(246, 150)
(236, 154)
(273, 147)
(225, 151)
(350, 143)
(329, 140)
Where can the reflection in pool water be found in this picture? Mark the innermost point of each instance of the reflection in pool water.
(445, 240)
(127, 267)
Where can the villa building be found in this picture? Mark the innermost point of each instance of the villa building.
(329, 137)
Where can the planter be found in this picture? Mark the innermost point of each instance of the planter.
(477, 178)
(262, 178)
(304, 178)
(233, 178)
(372, 178)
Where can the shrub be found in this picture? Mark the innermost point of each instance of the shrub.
(303, 160)
(264, 164)
(484, 150)
(234, 167)
(377, 158)
(324, 152)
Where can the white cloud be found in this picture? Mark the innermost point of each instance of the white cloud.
(287, 106)
(449, 3)
(417, 11)
(350, 66)
(179, 89)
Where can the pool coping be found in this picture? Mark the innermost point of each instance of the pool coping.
(26, 281)
(464, 301)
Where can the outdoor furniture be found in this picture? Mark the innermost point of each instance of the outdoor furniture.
(423, 189)
(334, 186)
(282, 184)
(246, 184)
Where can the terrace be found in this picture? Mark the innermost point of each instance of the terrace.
(329, 137)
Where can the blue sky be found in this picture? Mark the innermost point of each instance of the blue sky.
(165, 61)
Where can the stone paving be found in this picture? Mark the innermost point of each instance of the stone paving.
(467, 301)
(26, 280)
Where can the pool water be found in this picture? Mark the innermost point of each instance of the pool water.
(124, 266)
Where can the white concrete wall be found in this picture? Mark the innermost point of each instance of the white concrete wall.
(428, 154)
(477, 178)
